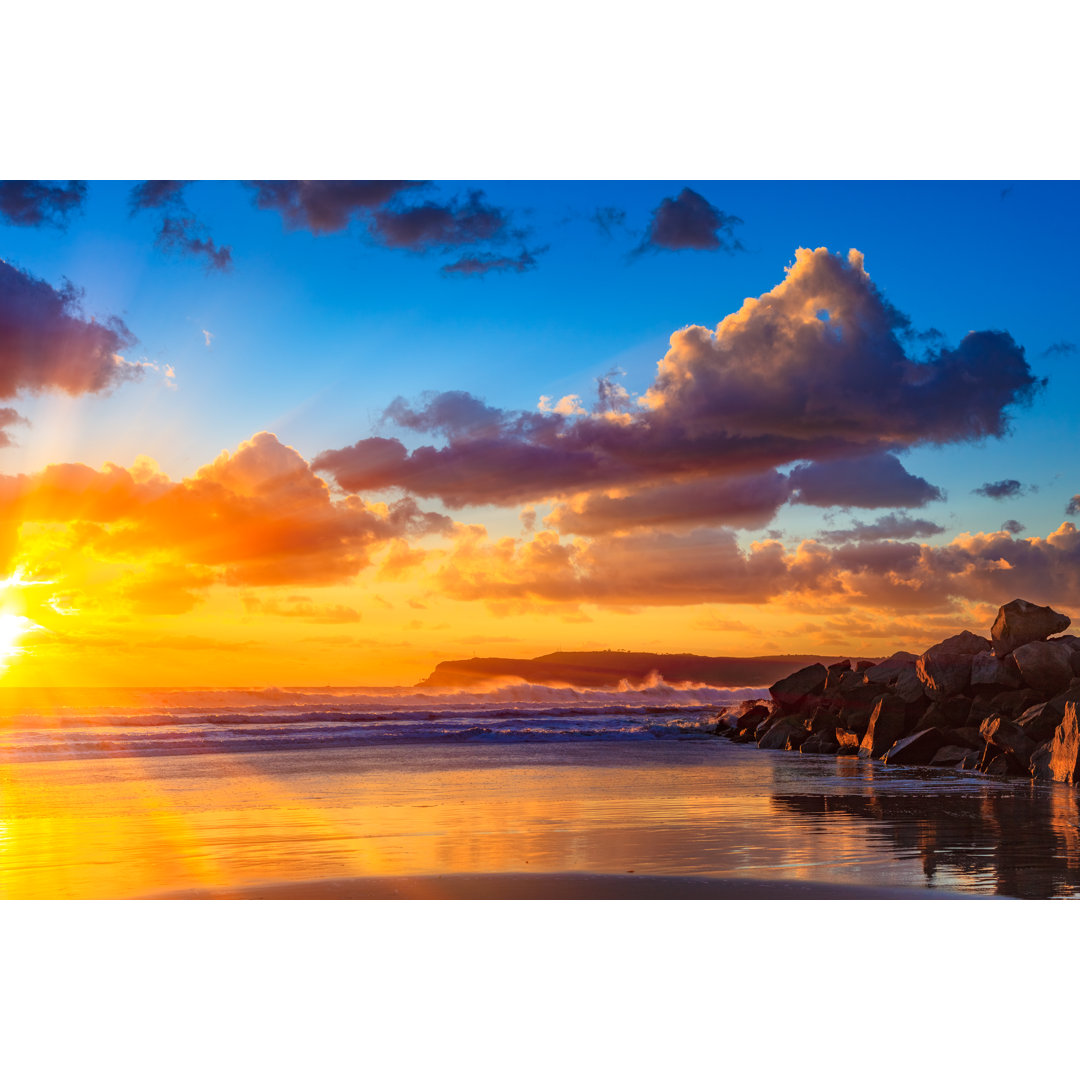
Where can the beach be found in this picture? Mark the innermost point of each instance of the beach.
(686, 815)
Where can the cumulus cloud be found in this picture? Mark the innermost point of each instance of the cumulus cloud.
(1001, 489)
(889, 527)
(48, 343)
(746, 502)
(254, 516)
(326, 206)
(657, 568)
(35, 202)
(871, 482)
(775, 384)
(690, 222)
(487, 263)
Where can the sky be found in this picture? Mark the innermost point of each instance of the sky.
(303, 433)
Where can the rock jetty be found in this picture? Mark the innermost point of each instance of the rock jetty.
(1004, 705)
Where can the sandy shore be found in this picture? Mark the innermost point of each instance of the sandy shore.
(555, 887)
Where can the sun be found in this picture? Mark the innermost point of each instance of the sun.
(12, 628)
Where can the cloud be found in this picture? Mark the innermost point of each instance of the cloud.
(432, 225)
(8, 418)
(773, 385)
(1013, 526)
(746, 502)
(181, 234)
(300, 607)
(655, 568)
(34, 202)
(478, 265)
(871, 482)
(690, 222)
(1073, 506)
(1001, 489)
(889, 527)
(48, 343)
(155, 194)
(208, 337)
(1061, 348)
(326, 206)
(607, 219)
(179, 231)
(255, 516)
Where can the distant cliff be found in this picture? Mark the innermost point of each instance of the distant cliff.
(603, 669)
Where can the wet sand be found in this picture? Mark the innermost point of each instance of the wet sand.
(557, 887)
(695, 818)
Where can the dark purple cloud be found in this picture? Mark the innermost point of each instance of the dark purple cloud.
(326, 206)
(35, 202)
(889, 527)
(487, 263)
(154, 194)
(432, 225)
(608, 218)
(1013, 526)
(773, 385)
(1061, 348)
(690, 222)
(872, 482)
(1000, 489)
(47, 343)
(181, 234)
(1073, 507)
(8, 418)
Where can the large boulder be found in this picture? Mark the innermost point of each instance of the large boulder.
(1021, 621)
(917, 749)
(1045, 665)
(991, 673)
(1065, 748)
(800, 688)
(821, 742)
(887, 672)
(1007, 736)
(947, 713)
(945, 669)
(887, 724)
(786, 735)
(1040, 721)
(951, 756)
(847, 741)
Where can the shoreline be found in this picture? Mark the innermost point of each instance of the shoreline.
(556, 886)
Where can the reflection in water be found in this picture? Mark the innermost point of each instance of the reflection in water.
(1012, 837)
(699, 806)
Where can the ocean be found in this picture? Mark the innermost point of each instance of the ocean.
(172, 792)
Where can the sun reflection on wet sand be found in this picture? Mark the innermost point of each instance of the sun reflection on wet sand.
(142, 826)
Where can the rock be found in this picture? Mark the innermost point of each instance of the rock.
(752, 715)
(786, 735)
(945, 669)
(1012, 703)
(798, 689)
(1040, 762)
(886, 726)
(917, 749)
(908, 687)
(1065, 748)
(967, 736)
(970, 760)
(990, 672)
(1040, 721)
(847, 741)
(1007, 736)
(952, 712)
(822, 720)
(981, 708)
(864, 665)
(998, 765)
(820, 742)
(1045, 665)
(1021, 621)
(886, 673)
(951, 756)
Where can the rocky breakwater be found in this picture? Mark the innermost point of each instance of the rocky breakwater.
(1004, 705)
